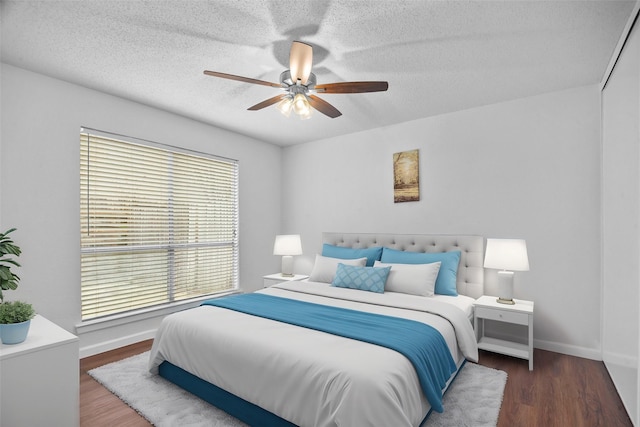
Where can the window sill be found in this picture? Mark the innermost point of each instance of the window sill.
(143, 314)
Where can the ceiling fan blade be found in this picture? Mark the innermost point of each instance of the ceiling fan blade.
(324, 107)
(352, 87)
(241, 79)
(266, 103)
(300, 61)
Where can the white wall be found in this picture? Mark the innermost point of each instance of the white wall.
(528, 168)
(620, 224)
(523, 169)
(40, 184)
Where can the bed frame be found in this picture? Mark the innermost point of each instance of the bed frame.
(470, 282)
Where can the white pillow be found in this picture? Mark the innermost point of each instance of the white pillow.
(414, 279)
(324, 269)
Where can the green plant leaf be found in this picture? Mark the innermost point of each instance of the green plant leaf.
(16, 312)
(11, 261)
(10, 248)
(8, 280)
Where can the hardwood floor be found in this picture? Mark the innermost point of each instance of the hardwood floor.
(562, 391)
(98, 406)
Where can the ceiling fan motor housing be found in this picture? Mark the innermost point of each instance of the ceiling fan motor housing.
(296, 87)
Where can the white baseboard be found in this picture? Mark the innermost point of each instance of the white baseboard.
(571, 350)
(618, 359)
(568, 349)
(91, 350)
(515, 333)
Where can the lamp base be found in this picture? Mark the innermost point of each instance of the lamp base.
(287, 266)
(505, 287)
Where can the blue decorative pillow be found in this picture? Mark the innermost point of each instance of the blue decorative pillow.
(446, 281)
(370, 279)
(372, 254)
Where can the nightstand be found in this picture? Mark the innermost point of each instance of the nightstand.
(274, 279)
(520, 313)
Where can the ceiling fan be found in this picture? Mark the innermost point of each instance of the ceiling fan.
(300, 88)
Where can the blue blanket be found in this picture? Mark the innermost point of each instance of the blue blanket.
(422, 344)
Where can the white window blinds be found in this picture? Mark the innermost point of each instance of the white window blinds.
(158, 224)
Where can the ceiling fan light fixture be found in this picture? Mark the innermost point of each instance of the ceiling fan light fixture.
(300, 87)
(285, 105)
(306, 115)
(301, 105)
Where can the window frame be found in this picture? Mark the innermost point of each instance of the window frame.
(89, 322)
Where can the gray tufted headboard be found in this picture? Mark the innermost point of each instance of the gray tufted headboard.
(470, 279)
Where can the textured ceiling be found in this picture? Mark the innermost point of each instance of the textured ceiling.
(438, 56)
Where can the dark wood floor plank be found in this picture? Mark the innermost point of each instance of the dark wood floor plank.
(561, 391)
(98, 406)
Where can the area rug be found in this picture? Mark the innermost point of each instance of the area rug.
(474, 399)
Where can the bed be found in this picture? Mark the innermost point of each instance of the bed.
(262, 358)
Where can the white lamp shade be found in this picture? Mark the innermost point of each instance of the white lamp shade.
(506, 254)
(287, 244)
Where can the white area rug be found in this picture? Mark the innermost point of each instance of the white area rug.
(473, 400)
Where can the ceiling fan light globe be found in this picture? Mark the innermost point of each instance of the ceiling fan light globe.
(306, 115)
(284, 106)
(301, 105)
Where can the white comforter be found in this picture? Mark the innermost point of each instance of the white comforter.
(307, 377)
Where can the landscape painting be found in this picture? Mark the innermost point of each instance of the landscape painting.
(406, 177)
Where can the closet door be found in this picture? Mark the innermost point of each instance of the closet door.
(621, 224)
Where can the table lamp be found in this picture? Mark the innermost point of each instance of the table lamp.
(506, 255)
(287, 245)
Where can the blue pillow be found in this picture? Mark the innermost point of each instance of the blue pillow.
(370, 279)
(446, 281)
(372, 254)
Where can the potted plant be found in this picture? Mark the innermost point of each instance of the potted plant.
(15, 317)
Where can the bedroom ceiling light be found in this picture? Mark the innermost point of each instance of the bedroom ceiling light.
(506, 255)
(301, 106)
(287, 245)
(299, 86)
(284, 106)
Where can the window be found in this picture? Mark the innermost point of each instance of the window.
(158, 224)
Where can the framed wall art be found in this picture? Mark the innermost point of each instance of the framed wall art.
(406, 176)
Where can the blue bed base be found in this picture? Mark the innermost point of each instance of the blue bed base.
(233, 405)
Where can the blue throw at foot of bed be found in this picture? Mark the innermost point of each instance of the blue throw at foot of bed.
(422, 344)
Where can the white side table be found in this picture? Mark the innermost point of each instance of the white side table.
(274, 279)
(40, 378)
(520, 313)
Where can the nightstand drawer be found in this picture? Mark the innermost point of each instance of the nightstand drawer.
(502, 315)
